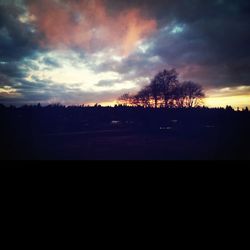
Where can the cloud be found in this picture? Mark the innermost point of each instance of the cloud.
(95, 50)
(229, 91)
(4, 80)
(89, 25)
(45, 92)
(16, 38)
(51, 62)
(106, 83)
(11, 69)
(212, 47)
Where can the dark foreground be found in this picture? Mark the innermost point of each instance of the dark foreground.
(58, 133)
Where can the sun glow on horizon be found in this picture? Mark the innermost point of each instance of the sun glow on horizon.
(235, 102)
(237, 97)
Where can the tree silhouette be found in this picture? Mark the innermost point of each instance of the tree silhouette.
(190, 94)
(168, 81)
(143, 97)
(126, 99)
(155, 89)
(229, 108)
(165, 89)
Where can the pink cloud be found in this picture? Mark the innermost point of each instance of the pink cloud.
(89, 25)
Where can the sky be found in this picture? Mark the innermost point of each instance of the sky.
(92, 51)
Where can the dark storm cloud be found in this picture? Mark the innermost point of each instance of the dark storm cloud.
(4, 80)
(215, 36)
(17, 39)
(206, 40)
(186, 10)
(11, 69)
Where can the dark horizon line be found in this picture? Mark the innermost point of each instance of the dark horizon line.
(97, 105)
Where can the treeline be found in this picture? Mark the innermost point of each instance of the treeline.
(165, 90)
(59, 106)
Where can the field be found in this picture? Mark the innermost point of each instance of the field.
(122, 133)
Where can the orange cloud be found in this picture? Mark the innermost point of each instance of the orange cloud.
(89, 25)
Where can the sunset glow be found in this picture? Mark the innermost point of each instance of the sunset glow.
(124, 80)
(237, 97)
(233, 101)
(92, 51)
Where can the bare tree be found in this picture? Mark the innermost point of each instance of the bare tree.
(125, 99)
(155, 89)
(167, 82)
(143, 98)
(190, 94)
(166, 90)
(177, 99)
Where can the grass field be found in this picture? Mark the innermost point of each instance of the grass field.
(184, 136)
